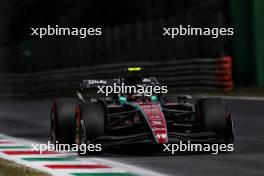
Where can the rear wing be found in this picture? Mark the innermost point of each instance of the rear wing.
(94, 83)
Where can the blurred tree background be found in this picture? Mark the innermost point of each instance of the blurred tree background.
(132, 31)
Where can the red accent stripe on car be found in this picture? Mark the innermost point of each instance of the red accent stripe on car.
(157, 123)
(28, 152)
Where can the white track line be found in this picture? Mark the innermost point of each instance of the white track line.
(117, 166)
(132, 169)
(243, 98)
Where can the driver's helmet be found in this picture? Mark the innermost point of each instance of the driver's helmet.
(132, 80)
(134, 97)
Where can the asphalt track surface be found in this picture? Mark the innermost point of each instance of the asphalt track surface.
(29, 119)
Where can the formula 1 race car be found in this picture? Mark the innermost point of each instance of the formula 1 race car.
(125, 119)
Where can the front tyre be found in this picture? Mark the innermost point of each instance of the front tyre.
(214, 117)
(62, 120)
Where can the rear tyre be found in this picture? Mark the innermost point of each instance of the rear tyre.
(89, 120)
(62, 120)
(214, 118)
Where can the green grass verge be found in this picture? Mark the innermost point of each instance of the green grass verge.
(8, 168)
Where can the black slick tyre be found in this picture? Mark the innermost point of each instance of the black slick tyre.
(63, 120)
